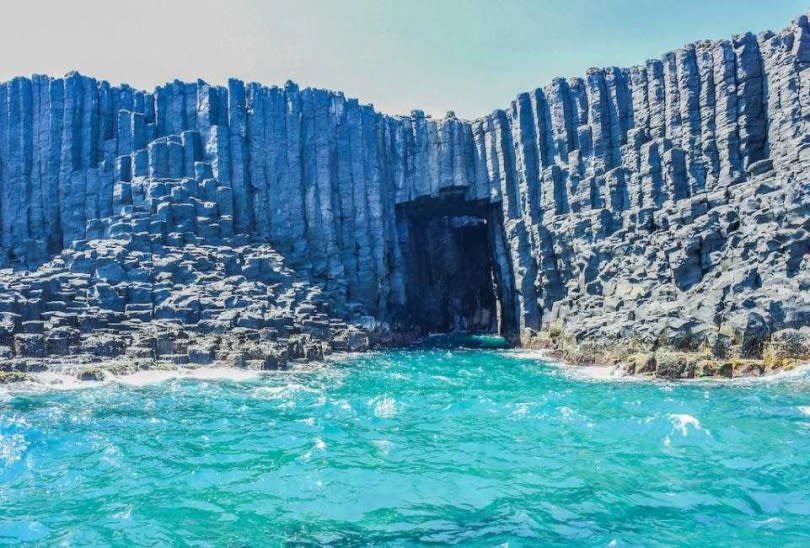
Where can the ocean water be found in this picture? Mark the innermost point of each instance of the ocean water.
(477, 447)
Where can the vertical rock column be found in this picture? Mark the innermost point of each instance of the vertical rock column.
(243, 218)
(751, 99)
(728, 137)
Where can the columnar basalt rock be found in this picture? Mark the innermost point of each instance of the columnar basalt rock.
(665, 204)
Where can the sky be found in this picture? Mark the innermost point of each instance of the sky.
(470, 56)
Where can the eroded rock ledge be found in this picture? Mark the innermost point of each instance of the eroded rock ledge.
(658, 210)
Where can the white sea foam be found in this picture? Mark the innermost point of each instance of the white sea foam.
(280, 392)
(521, 410)
(51, 380)
(147, 377)
(65, 379)
(578, 372)
(800, 372)
(384, 407)
(614, 373)
(804, 410)
(12, 448)
(12, 443)
(681, 422)
(63, 375)
(529, 354)
(442, 378)
(595, 372)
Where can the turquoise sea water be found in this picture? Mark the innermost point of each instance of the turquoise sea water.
(469, 447)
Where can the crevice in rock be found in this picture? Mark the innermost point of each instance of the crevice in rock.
(453, 282)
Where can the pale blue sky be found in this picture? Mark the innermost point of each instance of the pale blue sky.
(471, 56)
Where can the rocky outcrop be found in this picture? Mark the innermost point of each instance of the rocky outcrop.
(665, 204)
(191, 304)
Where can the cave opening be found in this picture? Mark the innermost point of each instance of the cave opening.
(453, 281)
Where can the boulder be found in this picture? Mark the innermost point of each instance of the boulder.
(30, 345)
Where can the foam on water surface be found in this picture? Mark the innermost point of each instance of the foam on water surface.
(481, 448)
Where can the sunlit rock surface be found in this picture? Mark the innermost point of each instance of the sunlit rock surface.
(666, 205)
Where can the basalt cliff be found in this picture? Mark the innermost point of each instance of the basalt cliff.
(655, 216)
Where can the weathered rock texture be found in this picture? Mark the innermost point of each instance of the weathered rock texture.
(667, 204)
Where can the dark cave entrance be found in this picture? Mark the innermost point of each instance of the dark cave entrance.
(453, 281)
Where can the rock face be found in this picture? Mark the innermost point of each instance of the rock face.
(667, 204)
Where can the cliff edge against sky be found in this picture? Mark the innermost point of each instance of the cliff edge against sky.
(657, 216)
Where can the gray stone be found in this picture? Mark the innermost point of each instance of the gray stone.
(30, 345)
(665, 204)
